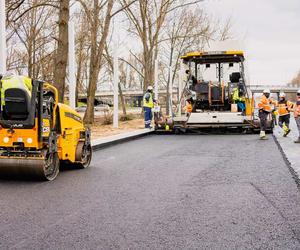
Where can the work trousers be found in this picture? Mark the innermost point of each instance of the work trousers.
(297, 119)
(241, 106)
(284, 119)
(263, 120)
(147, 116)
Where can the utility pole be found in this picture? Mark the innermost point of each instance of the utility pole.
(116, 90)
(2, 37)
(156, 80)
(180, 83)
(170, 90)
(72, 62)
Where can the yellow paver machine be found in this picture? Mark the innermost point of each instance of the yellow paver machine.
(221, 99)
(37, 134)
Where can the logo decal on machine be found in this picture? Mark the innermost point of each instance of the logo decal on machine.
(73, 116)
(46, 129)
(18, 125)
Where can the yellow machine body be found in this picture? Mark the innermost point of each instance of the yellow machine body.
(50, 134)
(71, 130)
(27, 136)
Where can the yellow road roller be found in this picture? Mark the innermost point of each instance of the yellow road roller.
(37, 134)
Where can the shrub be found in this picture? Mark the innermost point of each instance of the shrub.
(107, 118)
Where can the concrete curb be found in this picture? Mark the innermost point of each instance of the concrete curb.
(289, 150)
(292, 169)
(98, 144)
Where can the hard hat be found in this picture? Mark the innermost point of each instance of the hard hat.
(150, 88)
(298, 92)
(266, 91)
(281, 94)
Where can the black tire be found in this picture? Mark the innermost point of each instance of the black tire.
(177, 131)
(51, 166)
(86, 156)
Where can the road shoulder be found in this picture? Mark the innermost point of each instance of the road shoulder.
(119, 138)
(289, 149)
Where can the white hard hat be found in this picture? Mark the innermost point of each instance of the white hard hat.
(149, 87)
(281, 94)
(298, 92)
(266, 91)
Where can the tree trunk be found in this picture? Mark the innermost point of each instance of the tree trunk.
(89, 113)
(168, 108)
(96, 57)
(61, 57)
(148, 69)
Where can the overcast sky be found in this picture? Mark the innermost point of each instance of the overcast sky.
(270, 30)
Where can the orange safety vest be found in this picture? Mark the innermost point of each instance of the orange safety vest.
(284, 107)
(264, 103)
(297, 108)
(189, 108)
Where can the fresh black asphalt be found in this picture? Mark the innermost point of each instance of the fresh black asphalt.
(160, 192)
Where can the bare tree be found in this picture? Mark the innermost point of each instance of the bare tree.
(110, 63)
(296, 80)
(61, 56)
(225, 31)
(99, 17)
(30, 38)
(186, 30)
(82, 53)
(148, 19)
(33, 30)
(16, 9)
(100, 14)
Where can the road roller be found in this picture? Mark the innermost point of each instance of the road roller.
(38, 134)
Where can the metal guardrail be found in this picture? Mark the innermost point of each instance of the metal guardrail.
(273, 88)
(126, 93)
(253, 88)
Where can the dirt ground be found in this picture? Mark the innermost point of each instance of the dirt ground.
(99, 130)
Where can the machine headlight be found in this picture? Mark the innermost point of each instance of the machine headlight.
(29, 140)
(6, 139)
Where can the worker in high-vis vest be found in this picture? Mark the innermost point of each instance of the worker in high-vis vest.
(264, 110)
(189, 106)
(238, 99)
(297, 115)
(284, 108)
(21, 82)
(148, 105)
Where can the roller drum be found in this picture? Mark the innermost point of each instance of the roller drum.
(38, 169)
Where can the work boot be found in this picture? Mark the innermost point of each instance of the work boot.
(298, 140)
(286, 133)
(262, 135)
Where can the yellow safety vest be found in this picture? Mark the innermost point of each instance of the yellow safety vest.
(297, 108)
(264, 103)
(9, 82)
(236, 96)
(284, 107)
(149, 103)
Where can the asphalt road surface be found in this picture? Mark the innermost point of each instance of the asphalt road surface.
(160, 192)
